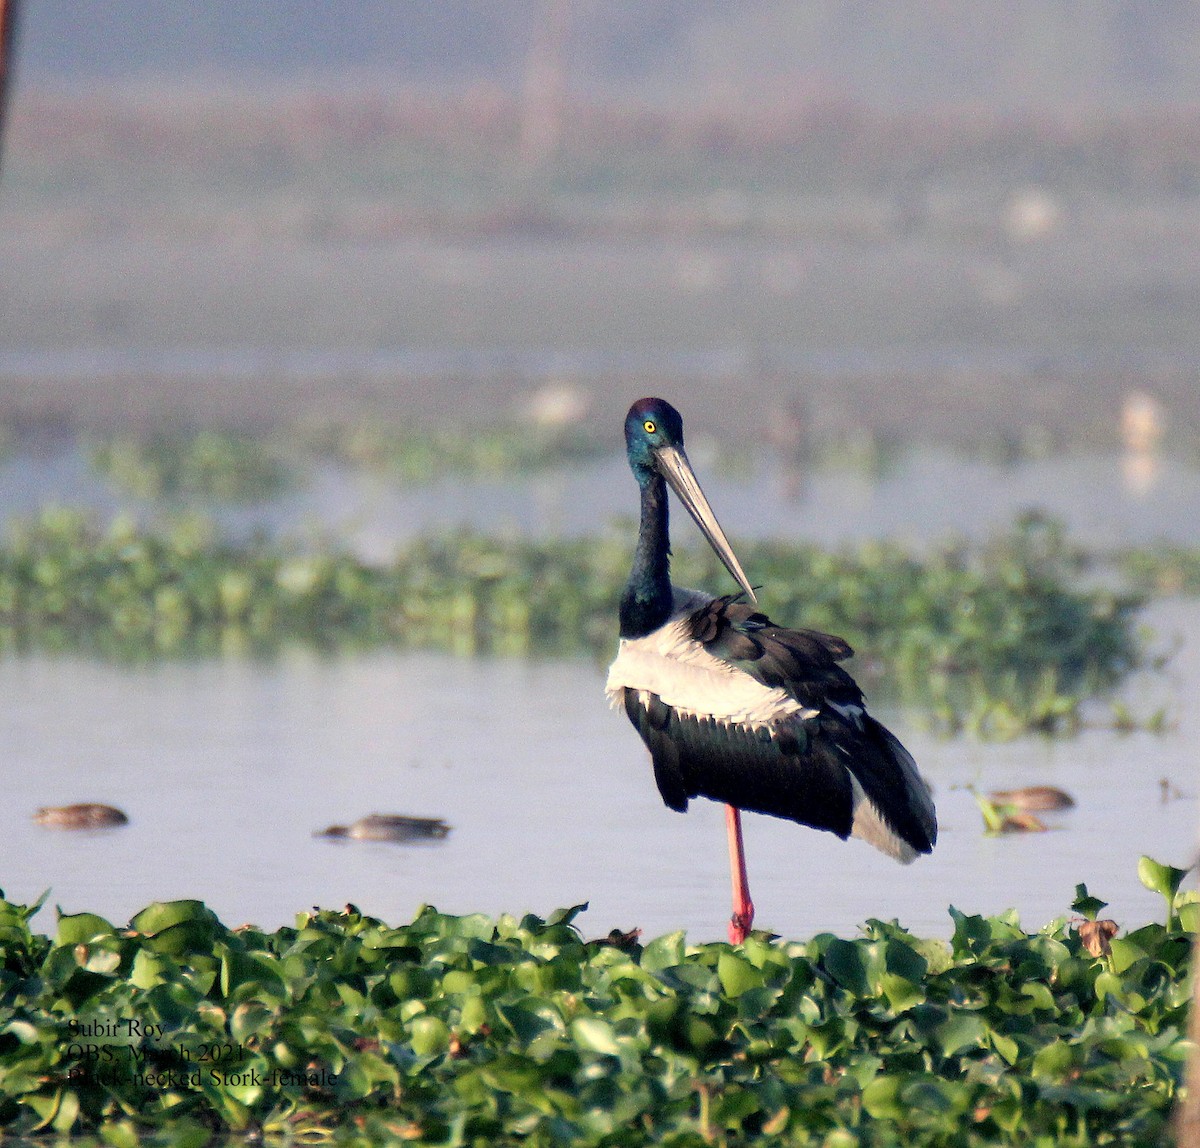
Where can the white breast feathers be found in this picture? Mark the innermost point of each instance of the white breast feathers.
(672, 664)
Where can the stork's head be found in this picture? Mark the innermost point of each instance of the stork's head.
(654, 441)
(650, 426)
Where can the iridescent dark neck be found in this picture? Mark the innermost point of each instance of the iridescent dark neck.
(646, 602)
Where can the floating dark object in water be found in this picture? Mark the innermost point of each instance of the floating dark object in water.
(1033, 797)
(390, 827)
(87, 815)
(1021, 821)
(1003, 811)
(1169, 791)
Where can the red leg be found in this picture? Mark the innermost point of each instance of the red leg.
(743, 907)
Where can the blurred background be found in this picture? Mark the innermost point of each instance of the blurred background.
(351, 275)
(974, 224)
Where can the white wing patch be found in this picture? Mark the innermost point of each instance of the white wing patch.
(692, 681)
(850, 711)
(870, 827)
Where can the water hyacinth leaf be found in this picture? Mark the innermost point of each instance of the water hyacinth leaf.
(595, 1034)
(1085, 904)
(428, 1036)
(164, 914)
(78, 928)
(25, 1032)
(524, 1021)
(732, 1107)
(971, 933)
(960, 1030)
(844, 962)
(665, 952)
(123, 1134)
(929, 1096)
(98, 960)
(1125, 952)
(68, 1112)
(1006, 1046)
(250, 1019)
(737, 974)
(1015, 1037)
(1162, 879)
(178, 940)
(881, 1098)
(902, 993)
(1053, 1060)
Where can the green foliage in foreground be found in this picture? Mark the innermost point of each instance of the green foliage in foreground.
(997, 639)
(473, 1031)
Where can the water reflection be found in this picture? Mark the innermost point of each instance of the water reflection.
(226, 769)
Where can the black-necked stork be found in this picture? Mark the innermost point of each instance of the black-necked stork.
(737, 709)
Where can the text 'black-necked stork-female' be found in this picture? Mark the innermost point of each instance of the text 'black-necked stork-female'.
(737, 709)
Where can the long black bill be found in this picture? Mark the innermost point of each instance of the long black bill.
(676, 469)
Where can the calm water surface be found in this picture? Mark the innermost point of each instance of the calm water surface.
(226, 769)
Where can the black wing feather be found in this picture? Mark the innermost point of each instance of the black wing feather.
(798, 770)
(754, 769)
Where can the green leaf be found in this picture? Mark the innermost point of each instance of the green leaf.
(1085, 904)
(844, 962)
(595, 1035)
(665, 952)
(881, 1098)
(1005, 1046)
(78, 928)
(961, 1030)
(68, 1112)
(902, 994)
(428, 1035)
(737, 974)
(1163, 879)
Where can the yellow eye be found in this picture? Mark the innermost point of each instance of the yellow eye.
(649, 426)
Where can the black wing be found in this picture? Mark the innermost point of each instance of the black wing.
(799, 768)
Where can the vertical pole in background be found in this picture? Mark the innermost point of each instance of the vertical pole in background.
(544, 96)
(8, 43)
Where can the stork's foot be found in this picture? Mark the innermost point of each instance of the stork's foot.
(740, 923)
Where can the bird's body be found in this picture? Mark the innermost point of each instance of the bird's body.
(390, 827)
(85, 815)
(737, 709)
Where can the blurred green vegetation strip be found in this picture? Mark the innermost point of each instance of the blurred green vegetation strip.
(473, 1031)
(227, 467)
(208, 464)
(1164, 569)
(998, 639)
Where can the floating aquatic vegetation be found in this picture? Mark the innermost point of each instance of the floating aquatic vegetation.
(208, 464)
(476, 1031)
(997, 640)
(1163, 569)
(424, 454)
